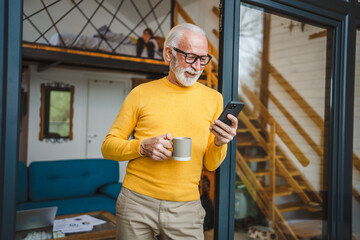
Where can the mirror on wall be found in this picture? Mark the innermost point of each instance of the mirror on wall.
(56, 112)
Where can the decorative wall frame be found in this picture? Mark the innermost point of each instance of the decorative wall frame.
(56, 122)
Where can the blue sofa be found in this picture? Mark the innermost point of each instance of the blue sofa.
(74, 186)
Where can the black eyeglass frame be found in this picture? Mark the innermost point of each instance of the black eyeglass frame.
(195, 59)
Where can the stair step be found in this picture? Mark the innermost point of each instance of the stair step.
(293, 173)
(246, 144)
(259, 158)
(281, 191)
(256, 158)
(290, 207)
(267, 173)
(307, 228)
(245, 130)
(297, 206)
(262, 173)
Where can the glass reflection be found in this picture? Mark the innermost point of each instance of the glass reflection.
(280, 163)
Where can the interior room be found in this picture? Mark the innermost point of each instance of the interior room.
(293, 171)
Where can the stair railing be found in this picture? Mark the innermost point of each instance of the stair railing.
(311, 113)
(297, 152)
(272, 167)
(262, 199)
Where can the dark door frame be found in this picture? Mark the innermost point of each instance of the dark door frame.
(346, 14)
(342, 17)
(10, 72)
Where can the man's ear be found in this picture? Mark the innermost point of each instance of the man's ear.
(168, 53)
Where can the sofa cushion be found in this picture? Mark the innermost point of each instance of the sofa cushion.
(75, 205)
(60, 179)
(22, 186)
(111, 190)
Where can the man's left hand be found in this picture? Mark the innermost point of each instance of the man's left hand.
(223, 132)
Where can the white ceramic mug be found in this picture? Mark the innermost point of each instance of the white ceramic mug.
(182, 148)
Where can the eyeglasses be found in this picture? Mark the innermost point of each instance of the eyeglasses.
(190, 58)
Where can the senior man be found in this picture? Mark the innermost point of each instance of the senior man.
(160, 196)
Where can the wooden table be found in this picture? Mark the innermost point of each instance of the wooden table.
(100, 232)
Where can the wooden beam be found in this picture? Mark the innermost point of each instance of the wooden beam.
(296, 97)
(260, 197)
(298, 153)
(45, 54)
(216, 11)
(289, 164)
(298, 127)
(356, 194)
(53, 49)
(261, 141)
(318, 35)
(216, 33)
(183, 13)
(176, 13)
(356, 161)
(272, 167)
(180, 10)
(208, 71)
(264, 77)
(287, 175)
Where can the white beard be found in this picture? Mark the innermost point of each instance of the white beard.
(180, 73)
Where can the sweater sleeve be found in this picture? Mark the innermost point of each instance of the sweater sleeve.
(215, 155)
(117, 145)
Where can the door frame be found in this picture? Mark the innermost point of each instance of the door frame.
(10, 72)
(341, 17)
(346, 14)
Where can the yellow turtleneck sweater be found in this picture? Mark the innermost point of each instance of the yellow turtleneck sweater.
(160, 107)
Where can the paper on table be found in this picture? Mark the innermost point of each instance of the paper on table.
(83, 223)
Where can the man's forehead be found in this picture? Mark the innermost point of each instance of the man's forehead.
(193, 42)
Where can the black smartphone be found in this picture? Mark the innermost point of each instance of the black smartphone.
(233, 108)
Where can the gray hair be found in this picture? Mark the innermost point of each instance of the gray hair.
(173, 37)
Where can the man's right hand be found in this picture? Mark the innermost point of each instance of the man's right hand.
(157, 148)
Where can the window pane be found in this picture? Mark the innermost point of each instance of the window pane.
(280, 143)
(356, 146)
(59, 113)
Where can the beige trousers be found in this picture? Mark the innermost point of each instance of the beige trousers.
(139, 217)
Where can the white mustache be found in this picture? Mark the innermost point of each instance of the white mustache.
(191, 71)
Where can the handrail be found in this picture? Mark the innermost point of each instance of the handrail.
(298, 153)
(296, 96)
(272, 167)
(312, 114)
(260, 196)
(297, 126)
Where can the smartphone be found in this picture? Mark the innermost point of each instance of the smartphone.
(233, 108)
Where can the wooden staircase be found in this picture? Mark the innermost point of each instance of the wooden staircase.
(270, 176)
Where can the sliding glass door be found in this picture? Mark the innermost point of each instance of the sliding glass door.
(280, 162)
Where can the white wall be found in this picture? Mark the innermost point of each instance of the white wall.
(302, 62)
(75, 149)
